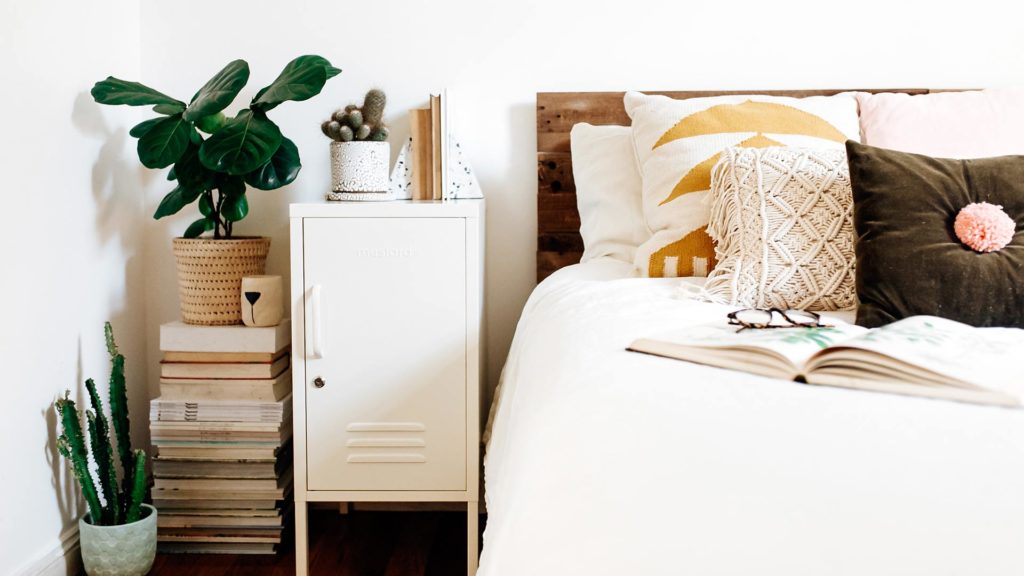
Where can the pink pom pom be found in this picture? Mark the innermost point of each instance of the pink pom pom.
(984, 227)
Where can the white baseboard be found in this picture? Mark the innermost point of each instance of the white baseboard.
(61, 560)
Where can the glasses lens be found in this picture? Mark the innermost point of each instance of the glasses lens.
(755, 317)
(801, 317)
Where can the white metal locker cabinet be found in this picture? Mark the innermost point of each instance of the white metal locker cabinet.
(386, 308)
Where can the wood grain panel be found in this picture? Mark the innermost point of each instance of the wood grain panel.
(558, 240)
(554, 173)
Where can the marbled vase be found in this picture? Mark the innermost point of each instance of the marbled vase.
(360, 166)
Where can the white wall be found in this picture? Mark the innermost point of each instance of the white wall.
(499, 54)
(71, 235)
(72, 176)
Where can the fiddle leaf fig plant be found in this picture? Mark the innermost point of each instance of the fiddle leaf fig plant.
(214, 157)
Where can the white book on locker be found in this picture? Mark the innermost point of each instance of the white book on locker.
(181, 337)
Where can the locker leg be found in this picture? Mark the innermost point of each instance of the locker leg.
(301, 539)
(472, 537)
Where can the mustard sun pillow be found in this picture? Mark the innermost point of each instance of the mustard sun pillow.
(677, 142)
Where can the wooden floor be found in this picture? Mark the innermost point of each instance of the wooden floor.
(354, 544)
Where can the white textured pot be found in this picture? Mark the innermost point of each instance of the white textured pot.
(125, 550)
(360, 166)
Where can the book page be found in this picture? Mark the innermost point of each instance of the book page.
(980, 357)
(788, 348)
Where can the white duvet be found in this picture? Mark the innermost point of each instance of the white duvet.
(602, 461)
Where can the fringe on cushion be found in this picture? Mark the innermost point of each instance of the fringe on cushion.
(724, 228)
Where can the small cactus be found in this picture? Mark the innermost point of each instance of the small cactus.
(373, 106)
(118, 505)
(355, 123)
(355, 119)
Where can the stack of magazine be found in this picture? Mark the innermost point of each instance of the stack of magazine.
(222, 428)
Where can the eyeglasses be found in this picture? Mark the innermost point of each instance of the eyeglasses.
(757, 319)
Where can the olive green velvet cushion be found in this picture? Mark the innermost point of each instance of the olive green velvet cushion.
(909, 261)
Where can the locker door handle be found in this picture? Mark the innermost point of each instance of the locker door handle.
(316, 323)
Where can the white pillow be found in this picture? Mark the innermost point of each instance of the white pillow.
(608, 191)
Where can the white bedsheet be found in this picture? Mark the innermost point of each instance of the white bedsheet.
(603, 461)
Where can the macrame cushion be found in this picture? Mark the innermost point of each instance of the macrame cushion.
(676, 143)
(782, 219)
(911, 257)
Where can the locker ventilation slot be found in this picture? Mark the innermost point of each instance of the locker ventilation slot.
(386, 427)
(386, 459)
(373, 443)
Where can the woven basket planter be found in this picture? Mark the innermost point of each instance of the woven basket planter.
(210, 276)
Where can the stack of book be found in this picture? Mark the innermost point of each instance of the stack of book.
(430, 132)
(222, 430)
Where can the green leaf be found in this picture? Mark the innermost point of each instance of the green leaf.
(169, 109)
(198, 227)
(281, 169)
(191, 173)
(140, 129)
(174, 201)
(211, 123)
(246, 142)
(231, 185)
(205, 204)
(164, 142)
(235, 207)
(115, 91)
(219, 92)
(301, 79)
(172, 175)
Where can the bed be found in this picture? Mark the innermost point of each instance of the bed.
(602, 461)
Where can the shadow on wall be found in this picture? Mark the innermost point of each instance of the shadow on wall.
(118, 184)
(508, 225)
(69, 503)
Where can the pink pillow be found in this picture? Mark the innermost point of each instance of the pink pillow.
(973, 124)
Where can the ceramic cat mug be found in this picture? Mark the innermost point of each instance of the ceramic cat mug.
(262, 300)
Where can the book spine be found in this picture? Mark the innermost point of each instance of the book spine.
(435, 135)
(445, 142)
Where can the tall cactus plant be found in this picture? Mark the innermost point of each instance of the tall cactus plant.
(110, 504)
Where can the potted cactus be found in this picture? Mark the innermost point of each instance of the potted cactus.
(360, 153)
(213, 158)
(118, 533)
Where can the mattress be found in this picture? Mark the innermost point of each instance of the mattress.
(603, 461)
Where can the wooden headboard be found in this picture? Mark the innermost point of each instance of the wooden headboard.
(558, 220)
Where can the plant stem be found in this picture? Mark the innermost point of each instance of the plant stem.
(216, 215)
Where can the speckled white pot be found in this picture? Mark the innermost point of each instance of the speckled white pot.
(125, 550)
(360, 166)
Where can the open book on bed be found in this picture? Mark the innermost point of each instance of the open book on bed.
(918, 356)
